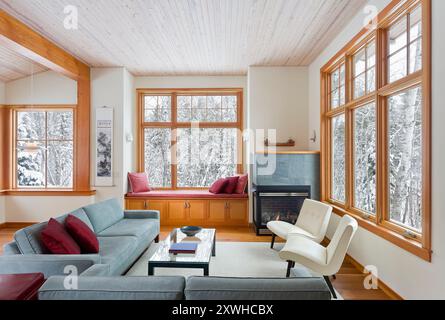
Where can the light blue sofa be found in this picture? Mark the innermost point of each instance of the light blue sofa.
(123, 237)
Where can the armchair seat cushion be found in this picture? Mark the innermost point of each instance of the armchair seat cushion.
(131, 227)
(298, 248)
(283, 229)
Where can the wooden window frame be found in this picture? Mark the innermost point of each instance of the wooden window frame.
(174, 124)
(416, 243)
(45, 109)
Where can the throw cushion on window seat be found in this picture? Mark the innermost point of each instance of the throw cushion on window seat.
(242, 184)
(57, 240)
(138, 182)
(219, 186)
(82, 234)
(232, 182)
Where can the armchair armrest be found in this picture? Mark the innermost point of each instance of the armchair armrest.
(141, 214)
(49, 265)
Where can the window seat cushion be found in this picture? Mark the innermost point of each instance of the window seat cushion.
(186, 194)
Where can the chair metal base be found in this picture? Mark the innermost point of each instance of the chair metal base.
(331, 288)
(273, 241)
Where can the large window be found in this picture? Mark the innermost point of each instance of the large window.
(44, 149)
(190, 137)
(376, 145)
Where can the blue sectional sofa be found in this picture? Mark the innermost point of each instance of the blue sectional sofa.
(123, 237)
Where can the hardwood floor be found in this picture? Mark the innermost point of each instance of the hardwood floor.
(349, 282)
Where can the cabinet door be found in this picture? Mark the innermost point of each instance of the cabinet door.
(217, 211)
(197, 210)
(161, 206)
(238, 211)
(177, 212)
(132, 204)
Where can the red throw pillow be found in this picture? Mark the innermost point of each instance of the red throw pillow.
(242, 184)
(82, 234)
(231, 185)
(138, 182)
(218, 186)
(55, 238)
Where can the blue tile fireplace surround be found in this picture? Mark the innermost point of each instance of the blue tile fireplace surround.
(292, 169)
(281, 183)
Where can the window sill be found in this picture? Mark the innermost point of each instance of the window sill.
(411, 246)
(49, 193)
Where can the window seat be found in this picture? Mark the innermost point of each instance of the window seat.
(185, 194)
(193, 207)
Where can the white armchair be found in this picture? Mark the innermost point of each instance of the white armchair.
(325, 261)
(312, 223)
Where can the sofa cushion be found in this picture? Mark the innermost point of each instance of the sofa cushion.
(131, 227)
(221, 288)
(231, 185)
(186, 194)
(138, 182)
(104, 214)
(28, 239)
(82, 234)
(218, 186)
(57, 240)
(116, 251)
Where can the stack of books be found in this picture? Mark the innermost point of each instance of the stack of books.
(181, 248)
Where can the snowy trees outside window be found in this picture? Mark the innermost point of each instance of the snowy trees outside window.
(192, 136)
(338, 158)
(405, 158)
(51, 163)
(338, 82)
(365, 158)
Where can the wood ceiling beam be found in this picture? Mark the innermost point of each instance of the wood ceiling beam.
(26, 42)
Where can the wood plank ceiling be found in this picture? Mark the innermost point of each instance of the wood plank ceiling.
(14, 66)
(190, 37)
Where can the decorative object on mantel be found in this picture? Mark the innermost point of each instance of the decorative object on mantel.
(289, 143)
(104, 147)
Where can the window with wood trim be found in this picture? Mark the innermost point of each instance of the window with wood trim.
(44, 148)
(338, 86)
(377, 146)
(189, 138)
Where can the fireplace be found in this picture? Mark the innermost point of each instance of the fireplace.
(277, 203)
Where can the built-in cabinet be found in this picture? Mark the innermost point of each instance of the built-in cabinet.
(203, 212)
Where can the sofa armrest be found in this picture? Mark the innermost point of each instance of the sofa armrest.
(48, 264)
(97, 270)
(141, 214)
(115, 288)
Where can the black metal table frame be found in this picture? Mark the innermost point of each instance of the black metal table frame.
(182, 264)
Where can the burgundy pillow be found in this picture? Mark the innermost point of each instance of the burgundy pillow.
(55, 238)
(82, 234)
(218, 186)
(242, 184)
(138, 182)
(231, 185)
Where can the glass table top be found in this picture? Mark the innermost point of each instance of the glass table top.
(204, 239)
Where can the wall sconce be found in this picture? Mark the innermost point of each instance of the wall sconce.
(130, 137)
(314, 137)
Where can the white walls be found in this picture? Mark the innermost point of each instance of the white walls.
(278, 99)
(112, 87)
(46, 88)
(2, 93)
(129, 125)
(408, 275)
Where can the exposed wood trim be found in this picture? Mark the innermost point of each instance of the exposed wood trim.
(21, 39)
(266, 152)
(381, 224)
(385, 288)
(174, 124)
(49, 193)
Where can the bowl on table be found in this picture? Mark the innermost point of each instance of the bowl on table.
(191, 231)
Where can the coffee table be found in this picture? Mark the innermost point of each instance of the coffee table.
(200, 260)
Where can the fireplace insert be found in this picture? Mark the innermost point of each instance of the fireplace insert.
(277, 203)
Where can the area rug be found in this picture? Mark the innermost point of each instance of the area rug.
(233, 259)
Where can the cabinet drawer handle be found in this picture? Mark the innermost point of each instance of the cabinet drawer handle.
(145, 204)
(185, 205)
